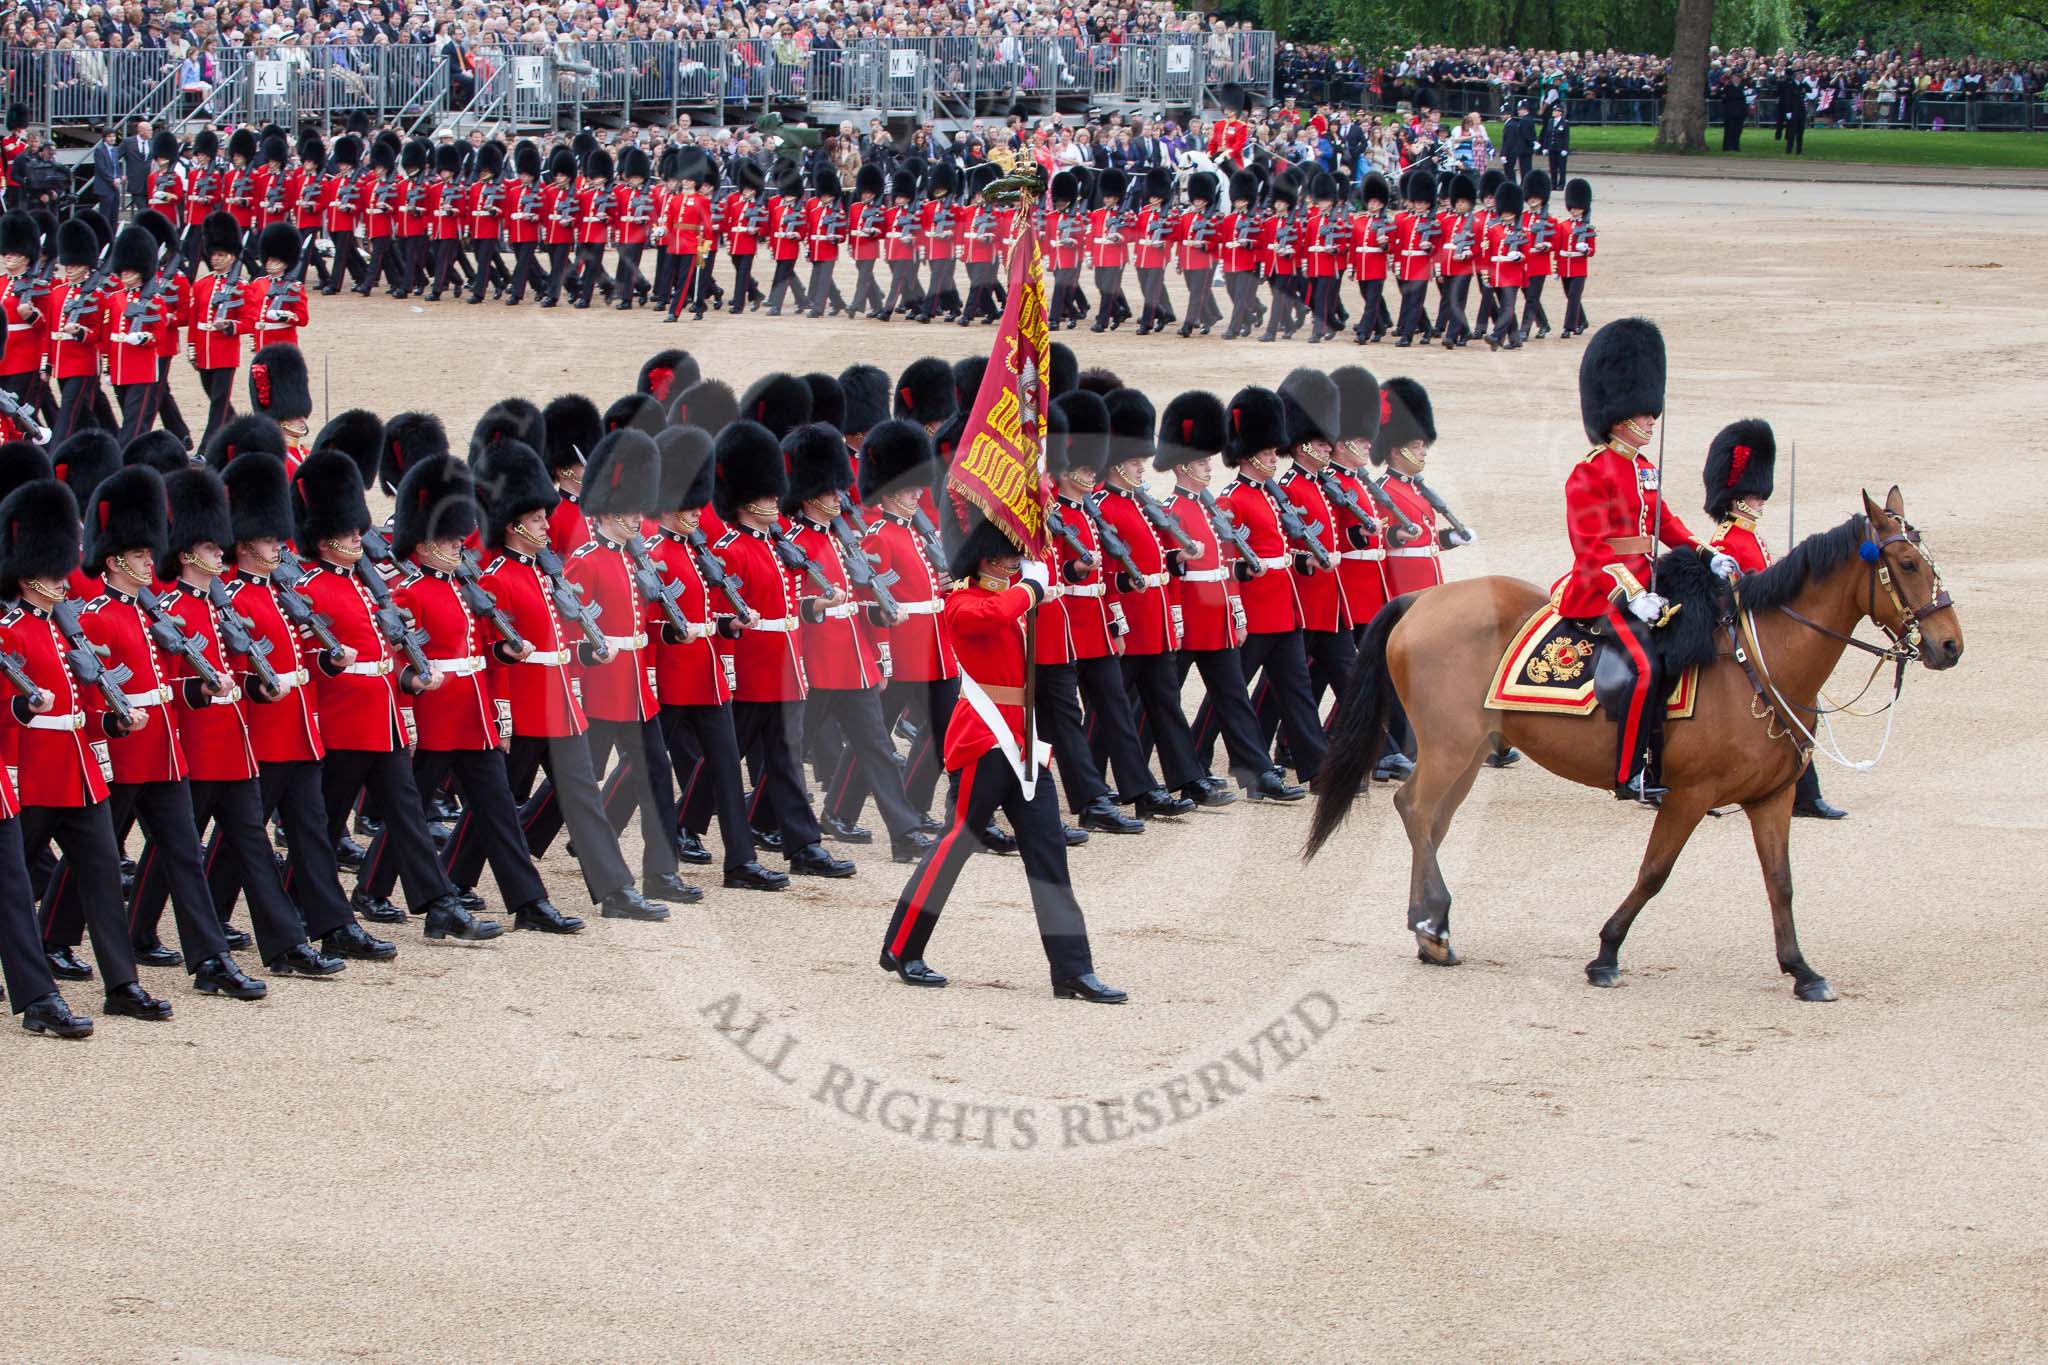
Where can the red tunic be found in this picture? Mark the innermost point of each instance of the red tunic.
(460, 714)
(918, 648)
(568, 531)
(1270, 605)
(359, 704)
(1418, 564)
(621, 689)
(214, 731)
(521, 211)
(988, 630)
(1085, 604)
(26, 341)
(785, 227)
(285, 730)
(58, 765)
(1612, 513)
(542, 702)
(115, 623)
(593, 215)
(273, 312)
(1360, 566)
(1411, 258)
(1195, 253)
(1109, 234)
(765, 658)
(1202, 595)
(1543, 241)
(1572, 256)
(557, 218)
(838, 653)
(1510, 268)
(864, 236)
(1737, 538)
(824, 228)
(1146, 605)
(687, 672)
(1321, 593)
(208, 349)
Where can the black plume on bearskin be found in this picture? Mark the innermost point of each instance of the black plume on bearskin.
(436, 500)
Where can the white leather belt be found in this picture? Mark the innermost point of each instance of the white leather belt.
(154, 697)
(457, 668)
(842, 611)
(624, 642)
(781, 625)
(1277, 561)
(1413, 552)
(74, 721)
(1151, 580)
(931, 608)
(1205, 575)
(379, 669)
(1363, 554)
(298, 677)
(1084, 590)
(228, 698)
(552, 657)
(21, 326)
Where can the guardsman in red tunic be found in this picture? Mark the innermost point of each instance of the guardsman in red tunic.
(690, 677)
(1416, 238)
(214, 325)
(689, 232)
(309, 204)
(131, 318)
(573, 427)
(379, 192)
(285, 733)
(768, 666)
(785, 234)
(1407, 431)
(864, 238)
(356, 690)
(1237, 235)
(165, 187)
(445, 220)
(27, 318)
(1229, 135)
(457, 722)
(274, 306)
(1361, 564)
(1283, 241)
(1205, 594)
(530, 682)
(31, 986)
(1457, 256)
(73, 365)
(981, 247)
(1198, 236)
(1616, 514)
(1329, 245)
(841, 663)
(635, 210)
(1110, 232)
(412, 205)
(992, 759)
(483, 211)
(558, 223)
(1507, 262)
(824, 230)
(1740, 477)
(342, 194)
(204, 192)
(275, 185)
(61, 788)
(1152, 248)
(1255, 433)
(1313, 419)
(899, 245)
(1545, 237)
(940, 222)
(521, 214)
(1064, 240)
(1153, 627)
(238, 182)
(1575, 248)
(593, 228)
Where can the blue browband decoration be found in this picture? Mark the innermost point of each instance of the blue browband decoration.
(1868, 552)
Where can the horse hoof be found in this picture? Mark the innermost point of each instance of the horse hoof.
(1816, 991)
(1597, 975)
(1437, 952)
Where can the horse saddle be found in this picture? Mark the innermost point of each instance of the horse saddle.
(1573, 668)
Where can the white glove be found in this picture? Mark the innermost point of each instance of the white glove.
(1646, 607)
(1034, 571)
(1724, 566)
(1459, 538)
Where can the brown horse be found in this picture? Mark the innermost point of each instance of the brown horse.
(1743, 744)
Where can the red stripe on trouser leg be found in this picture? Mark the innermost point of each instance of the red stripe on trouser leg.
(1632, 724)
(940, 853)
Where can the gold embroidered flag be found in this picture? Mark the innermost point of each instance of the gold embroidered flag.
(999, 465)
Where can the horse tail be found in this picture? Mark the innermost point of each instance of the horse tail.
(1360, 721)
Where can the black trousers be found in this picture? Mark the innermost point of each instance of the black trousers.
(167, 402)
(138, 409)
(1152, 309)
(1323, 303)
(692, 279)
(1413, 316)
(820, 290)
(85, 834)
(445, 252)
(571, 790)
(1489, 306)
(312, 879)
(412, 269)
(979, 791)
(165, 812)
(866, 293)
(902, 282)
(479, 775)
(743, 286)
(1331, 655)
(858, 715)
(308, 237)
(1152, 682)
(1112, 727)
(347, 261)
(1575, 303)
(1110, 304)
(782, 284)
(706, 759)
(644, 782)
(561, 255)
(774, 731)
(1066, 297)
(1202, 309)
(1227, 699)
(1287, 305)
(590, 276)
(1451, 307)
(383, 265)
(628, 278)
(525, 270)
(1504, 320)
(235, 809)
(981, 293)
(219, 388)
(1244, 291)
(1532, 307)
(939, 293)
(1285, 663)
(930, 707)
(490, 269)
(384, 778)
(22, 964)
(664, 277)
(1059, 721)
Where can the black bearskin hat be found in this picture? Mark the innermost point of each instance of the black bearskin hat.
(158, 449)
(259, 503)
(815, 456)
(946, 440)
(707, 405)
(241, 435)
(279, 242)
(1507, 200)
(278, 387)
(896, 454)
(1314, 410)
(1065, 186)
(359, 434)
(19, 236)
(436, 500)
(1621, 375)
(749, 467)
(828, 400)
(825, 182)
(1202, 187)
(571, 427)
(636, 412)
(1065, 370)
(599, 165)
(164, 146)
(508, 419)
(867, 398)
(156, 225)
(868, 180)
(1741, 463)
(223, 233)
(382, 157)
(510, 482)
(1536, 186)
(1244, 187)
(1191, 427)
(1256, 420)
(1115, 184)
(21, 462)
(448, 158)
(1086, 443)
(624, 476)
(1158, 183)
(135, 250)
(196, 504)
(779, 402)
(967, 377)
(490, 160)
(312, 151)
(38, 534)
(685, 469)
(348, 151)
(327, 500)
(1489, 182)
(634, 165)
(77, 243)
(1462, 188)
(561, 164)
(1420, 186)
(1132, 421)
(1286, 188)
(903, 185)
(1375, 188)
(414, 155)
(242, 143)
(1322, 185)
(408, 438)
(666, 374)
(84, 459)
(967, 536)
(126, 512)
(1099, 380)
(943, 181)
(1578, 195)
(1405, 416)
(1358, 403)
(526, 160)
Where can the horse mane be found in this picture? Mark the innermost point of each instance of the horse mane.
(1811, 558)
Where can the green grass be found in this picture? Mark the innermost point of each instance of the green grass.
(1869, 146)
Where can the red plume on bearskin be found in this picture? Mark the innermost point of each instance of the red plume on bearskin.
(1741, 463)
(259, 384)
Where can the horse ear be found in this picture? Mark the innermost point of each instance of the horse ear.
(1895, 502)
(1876, 514)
